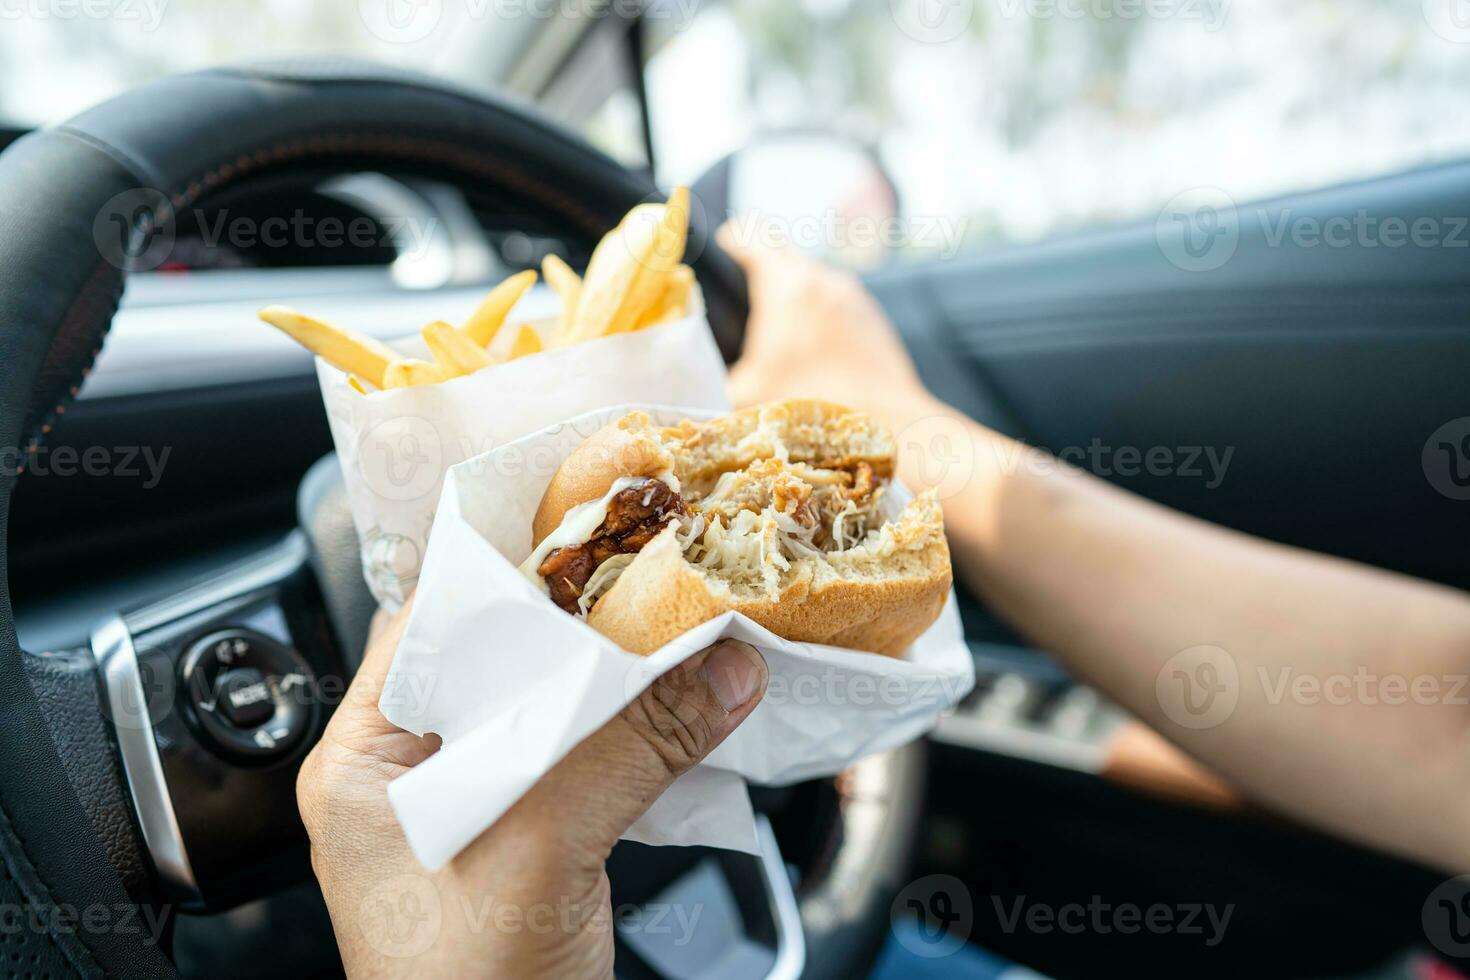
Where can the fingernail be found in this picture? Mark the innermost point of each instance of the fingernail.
(735, 672)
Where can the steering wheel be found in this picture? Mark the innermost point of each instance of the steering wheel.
(127, 782)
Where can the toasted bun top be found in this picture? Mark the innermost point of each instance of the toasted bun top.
(627, 447)
(799, 430)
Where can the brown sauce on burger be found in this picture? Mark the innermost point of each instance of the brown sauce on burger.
(635, 516)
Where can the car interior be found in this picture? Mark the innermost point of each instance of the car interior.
(176, 487)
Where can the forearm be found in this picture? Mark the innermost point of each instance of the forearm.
(1339, 690)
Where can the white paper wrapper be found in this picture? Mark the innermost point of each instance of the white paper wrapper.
(512, 683)
(395, 446)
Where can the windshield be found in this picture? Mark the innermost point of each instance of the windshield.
(1015, 119)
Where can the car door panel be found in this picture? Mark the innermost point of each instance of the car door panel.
(1315, 360)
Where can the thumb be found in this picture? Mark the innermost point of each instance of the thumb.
(612, 777)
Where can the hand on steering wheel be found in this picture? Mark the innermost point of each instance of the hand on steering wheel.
(531, 896)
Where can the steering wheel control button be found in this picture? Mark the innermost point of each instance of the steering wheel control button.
(243, 698)
(251, 696)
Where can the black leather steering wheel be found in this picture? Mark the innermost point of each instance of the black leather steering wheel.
(73, 833)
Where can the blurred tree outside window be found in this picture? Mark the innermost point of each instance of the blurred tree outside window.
(1029, 118)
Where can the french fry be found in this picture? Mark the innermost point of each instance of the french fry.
(634, 280)
(348, 350)
(455, 351)
(671, 237)
(674, 303)
(627, 271)
(568, 286)
(527, 342)
(409, 371)
(485, 322)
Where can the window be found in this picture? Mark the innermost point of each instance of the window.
(1026, 118)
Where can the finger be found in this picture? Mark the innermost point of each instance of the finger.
(383, 643)
(593, 795)
(360, 704)
(378, 623)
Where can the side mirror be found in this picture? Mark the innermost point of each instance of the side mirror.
(822, 194)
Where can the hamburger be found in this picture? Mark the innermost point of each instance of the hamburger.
(780, 512)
